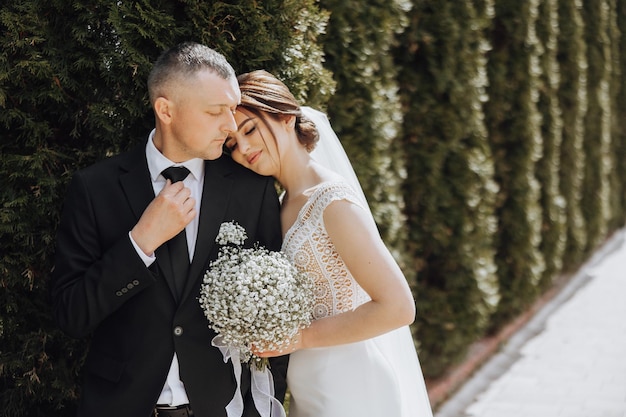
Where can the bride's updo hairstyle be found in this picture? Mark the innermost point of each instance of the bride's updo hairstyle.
(262, 93)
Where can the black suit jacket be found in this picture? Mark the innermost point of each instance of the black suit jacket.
(101, 287)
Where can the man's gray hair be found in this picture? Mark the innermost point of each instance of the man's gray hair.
(183, 61)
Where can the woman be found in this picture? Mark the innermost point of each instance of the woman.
(351, 361)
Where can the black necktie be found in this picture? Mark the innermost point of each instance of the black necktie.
(175, 174)
(179, 255)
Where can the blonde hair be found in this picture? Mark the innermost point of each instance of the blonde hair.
(262, 93)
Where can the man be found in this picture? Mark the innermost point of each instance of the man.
(117, 277)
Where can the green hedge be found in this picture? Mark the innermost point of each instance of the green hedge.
(553, 203)
(449, 191)
(597, 123)
(573, 100)
(513, 123)
(618, 88)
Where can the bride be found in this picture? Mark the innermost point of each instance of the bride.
(357, 358)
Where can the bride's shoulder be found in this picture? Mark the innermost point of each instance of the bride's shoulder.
(333, 190)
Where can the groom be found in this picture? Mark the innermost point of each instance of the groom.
(118, 277)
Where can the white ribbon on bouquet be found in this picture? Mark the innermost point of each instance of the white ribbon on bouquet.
(262, 385)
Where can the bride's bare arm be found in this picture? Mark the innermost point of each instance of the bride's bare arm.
(357, 240)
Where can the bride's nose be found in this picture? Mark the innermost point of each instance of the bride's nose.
(244, 145)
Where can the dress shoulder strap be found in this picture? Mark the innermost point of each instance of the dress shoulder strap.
(328, 192)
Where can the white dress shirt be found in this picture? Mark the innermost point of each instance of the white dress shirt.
(173, 392)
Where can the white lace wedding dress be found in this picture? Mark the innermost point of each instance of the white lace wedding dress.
(380, 377)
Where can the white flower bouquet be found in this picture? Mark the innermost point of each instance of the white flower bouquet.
(254, 296)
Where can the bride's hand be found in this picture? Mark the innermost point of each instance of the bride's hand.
(294, 344)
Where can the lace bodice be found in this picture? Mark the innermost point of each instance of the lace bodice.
(309, 247)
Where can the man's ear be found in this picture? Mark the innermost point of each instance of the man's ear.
(163, 109)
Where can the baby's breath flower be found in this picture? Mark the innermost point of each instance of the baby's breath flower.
(231, 232)
(254, 296)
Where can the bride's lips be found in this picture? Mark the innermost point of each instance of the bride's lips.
(254, 157)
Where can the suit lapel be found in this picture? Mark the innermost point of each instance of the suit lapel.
(137, 185)
(215, 197)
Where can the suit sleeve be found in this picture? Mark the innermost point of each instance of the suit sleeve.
(93, 275)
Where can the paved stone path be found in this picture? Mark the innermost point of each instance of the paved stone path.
(569, 360)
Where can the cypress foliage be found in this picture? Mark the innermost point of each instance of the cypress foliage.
(513, 123)
(619, 115)
(449, 190)
(597, 140)
(552, 202)
(72, 91)
(39, 365)
(302, 67)
(573, 100)
(618, 123)
(365, 111)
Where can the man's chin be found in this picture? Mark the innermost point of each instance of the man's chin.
(213, 154)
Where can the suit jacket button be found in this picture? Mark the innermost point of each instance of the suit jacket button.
(118, 293)
(178, 330)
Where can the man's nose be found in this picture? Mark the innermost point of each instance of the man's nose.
(230, 125)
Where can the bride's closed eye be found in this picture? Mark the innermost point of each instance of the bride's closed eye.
(250, 130)
(246, 128)
(230, 144)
